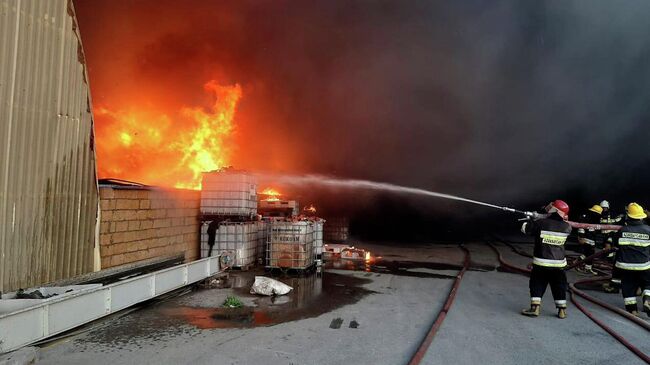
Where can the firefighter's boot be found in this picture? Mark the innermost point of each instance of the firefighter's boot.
(610, 288)
(561, 313)
(533, 311)
(646, 306)
(631, 307)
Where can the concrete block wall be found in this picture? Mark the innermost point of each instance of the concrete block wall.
(140, 224)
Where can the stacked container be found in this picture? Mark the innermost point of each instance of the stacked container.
(290, 245)
(278, 208)
(229, 201)
(336, 230)
(237, 242)
(262, 235)
(229, 193)
(318, 237)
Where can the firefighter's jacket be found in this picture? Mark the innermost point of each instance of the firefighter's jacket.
(609, 218)
(550, 236)
(590, 236)
(633, 241)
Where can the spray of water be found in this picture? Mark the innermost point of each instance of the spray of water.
(328, 181)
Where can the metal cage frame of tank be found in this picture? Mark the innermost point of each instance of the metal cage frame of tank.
(293, 239)
(242, 242)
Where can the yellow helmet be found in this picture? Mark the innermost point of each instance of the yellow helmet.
(597, 209)
(635, 211)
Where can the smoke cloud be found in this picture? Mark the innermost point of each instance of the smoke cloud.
(506, 101)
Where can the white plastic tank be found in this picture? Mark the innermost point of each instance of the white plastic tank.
(229, 192)
(236, 241)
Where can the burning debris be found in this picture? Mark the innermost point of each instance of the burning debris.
(271, 195)
(341, 251)
(309, 210)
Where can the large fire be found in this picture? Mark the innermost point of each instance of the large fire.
(149, 145)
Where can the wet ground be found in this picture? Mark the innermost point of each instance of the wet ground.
(312, 295)
(357, 312)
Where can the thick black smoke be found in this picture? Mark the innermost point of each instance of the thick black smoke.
(513, 102)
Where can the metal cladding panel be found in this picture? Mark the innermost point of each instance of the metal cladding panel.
(127, 293)
(48, 188)
(83, 308)
(170, 279)
(21, 328)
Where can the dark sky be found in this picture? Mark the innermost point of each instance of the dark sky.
(515, 102)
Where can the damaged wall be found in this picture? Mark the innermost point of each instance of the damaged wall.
(139, 224)
(48, 189)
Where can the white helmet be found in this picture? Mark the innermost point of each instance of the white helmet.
(604, 204)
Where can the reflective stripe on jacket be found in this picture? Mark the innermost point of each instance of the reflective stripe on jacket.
(550, 236)
(633, 243)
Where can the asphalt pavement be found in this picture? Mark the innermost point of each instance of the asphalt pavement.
(374, 317)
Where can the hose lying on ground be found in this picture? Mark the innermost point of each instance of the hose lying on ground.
(609, 307)
(609, 330)
(424, 346)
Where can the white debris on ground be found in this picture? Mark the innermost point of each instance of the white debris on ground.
(269, 287)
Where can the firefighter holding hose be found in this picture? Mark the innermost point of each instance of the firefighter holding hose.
(607, 217)
(633, 258)
(589, 238)
(549, 261)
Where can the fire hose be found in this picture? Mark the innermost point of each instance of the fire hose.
(424, 346)
(536, 216)
(574, 291)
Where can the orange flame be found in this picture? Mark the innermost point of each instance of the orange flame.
(146, 145)
(272, 195)
(271, 191)
(311, 208)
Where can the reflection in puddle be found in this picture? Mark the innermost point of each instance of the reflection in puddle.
(205, 318)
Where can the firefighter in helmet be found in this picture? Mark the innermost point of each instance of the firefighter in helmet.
(549, 261)
(607, 217)
(633, 258)
(589, 238)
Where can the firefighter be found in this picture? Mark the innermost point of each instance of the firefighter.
(607, 217)
(633, 258)
(589, 238)
(550, 234)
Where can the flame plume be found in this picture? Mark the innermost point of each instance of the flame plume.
(152, 146)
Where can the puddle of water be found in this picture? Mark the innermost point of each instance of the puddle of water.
(312, 296)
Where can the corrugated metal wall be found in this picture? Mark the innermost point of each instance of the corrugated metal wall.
(48, 188)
